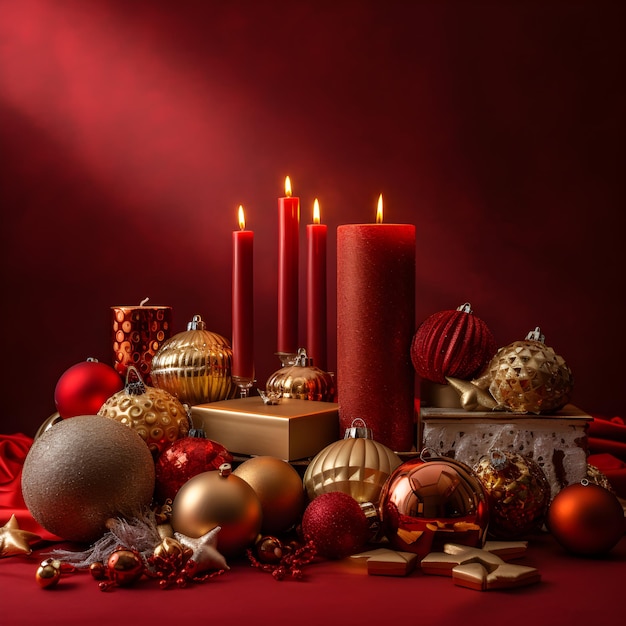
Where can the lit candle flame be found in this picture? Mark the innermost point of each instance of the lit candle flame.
(379, 210)
(287, 187)
(316, 212)
(242, 218)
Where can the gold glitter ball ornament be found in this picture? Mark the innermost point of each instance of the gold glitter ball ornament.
(302, 380)
(357, 465)
(154, 414)
(195, 365)
(529, 377)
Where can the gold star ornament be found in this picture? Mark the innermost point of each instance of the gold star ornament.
(14, 541)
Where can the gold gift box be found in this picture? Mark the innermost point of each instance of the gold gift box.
(291, 430)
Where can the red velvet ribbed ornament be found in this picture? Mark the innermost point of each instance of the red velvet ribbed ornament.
(453, 343)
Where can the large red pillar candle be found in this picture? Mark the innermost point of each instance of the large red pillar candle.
(375, 326)
(288, 270)
(138, 333)
(243, 302)
(316, 342)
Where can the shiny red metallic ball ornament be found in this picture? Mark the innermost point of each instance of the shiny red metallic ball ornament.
(454, 343)
(428, 502)
(124, 567)
(586, 519)
(84, 388)
(185, 458)
(336, 525)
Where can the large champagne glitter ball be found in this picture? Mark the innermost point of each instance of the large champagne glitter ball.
(428, 503)
(586, 519)
(218, 498)
(155, 414)
(84, 471)
(529, 377)
(518, 493)
(279, 488)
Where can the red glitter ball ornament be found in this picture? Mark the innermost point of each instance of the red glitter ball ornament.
(336, 525)
(184, 459)
(452, 343)
(85, 387)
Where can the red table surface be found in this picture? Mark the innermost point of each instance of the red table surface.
(573, 590)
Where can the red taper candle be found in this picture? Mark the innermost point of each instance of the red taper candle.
(242, 301)
(316, 329)
(288, 270)
(375, 326)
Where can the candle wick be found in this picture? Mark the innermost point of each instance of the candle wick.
(143, 302)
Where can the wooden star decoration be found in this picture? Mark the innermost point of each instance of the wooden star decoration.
(477, 569)
(386, 562)
(14, 541)
(205, 552)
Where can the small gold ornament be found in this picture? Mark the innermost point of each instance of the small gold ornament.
(302, 380)
(48, 573)
(14, 541)
(357, 465)
(195, 365)
(154, 414)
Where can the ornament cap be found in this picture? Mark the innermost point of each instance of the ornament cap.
(302, 360)
(358, 429)
(498, 459)
(225, 470)
(536, 335)
(134, 387)
(196, 323)
(466, 307)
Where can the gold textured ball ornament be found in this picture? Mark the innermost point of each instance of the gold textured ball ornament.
(195, 365)
(357, 465)
(279, 488)
(83, 471)
(218, 498)
(529, 377)
(302, 380)
(154, 414)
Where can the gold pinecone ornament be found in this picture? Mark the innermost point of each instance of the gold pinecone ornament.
(528, 377)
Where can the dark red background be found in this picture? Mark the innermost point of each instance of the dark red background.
(131, 131)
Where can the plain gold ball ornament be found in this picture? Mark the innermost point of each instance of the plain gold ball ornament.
(154, 414)
(84, 471)
(218, 498)
(279, 488)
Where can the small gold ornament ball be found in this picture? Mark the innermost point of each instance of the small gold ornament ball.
(48, 573)
(84, 471)
(279, 488)
(218, 498)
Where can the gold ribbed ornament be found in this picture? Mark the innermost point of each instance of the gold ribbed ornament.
(357, 465)
(195, 365)
(302, 380)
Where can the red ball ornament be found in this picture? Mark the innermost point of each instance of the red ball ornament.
(184, 459)
(85, 387)
(336, 525)
(454, 343)
(586, 519)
